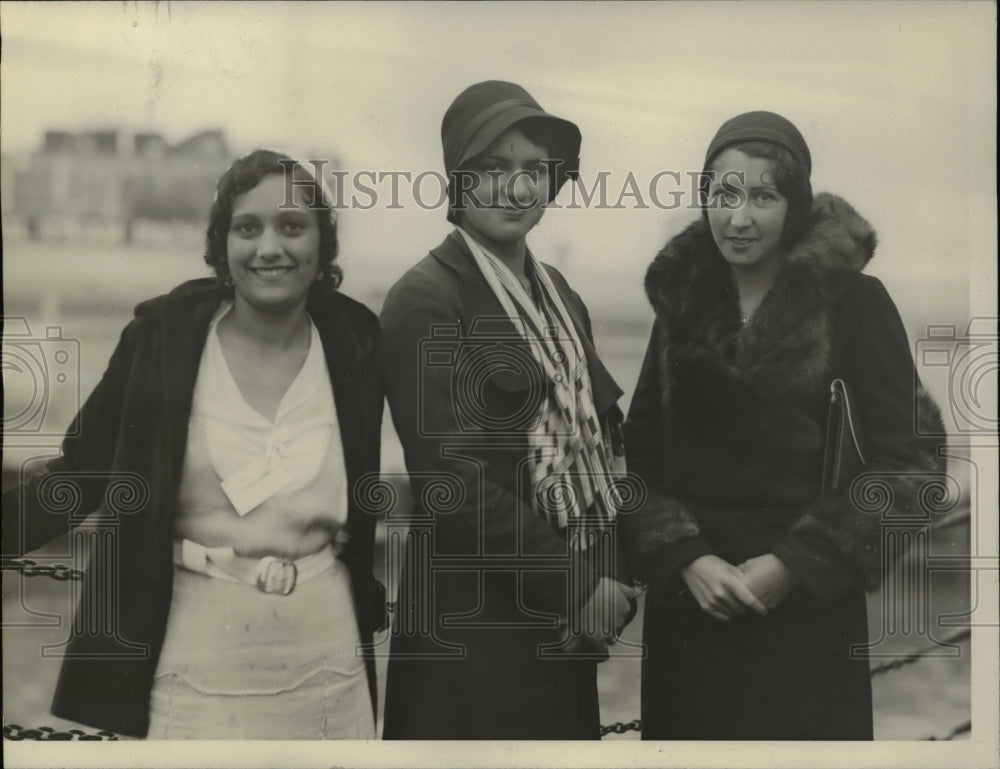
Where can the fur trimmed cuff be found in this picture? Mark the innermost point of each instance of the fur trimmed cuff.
(819, 566)
(850, 523)
(856, 537)
(663, 565)
(659, 524)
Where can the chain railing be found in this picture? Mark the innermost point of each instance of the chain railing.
(960, 729)
(62, 573)
(908, 659)
(30, 568)
(620, 727)
(17, 732)
(48, 734)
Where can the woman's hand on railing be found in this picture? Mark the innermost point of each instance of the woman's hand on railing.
(603, 617)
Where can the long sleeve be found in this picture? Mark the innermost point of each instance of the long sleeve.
(662, 535)
(837, 542)
(32, 511)
(451, 467)
(374, 614)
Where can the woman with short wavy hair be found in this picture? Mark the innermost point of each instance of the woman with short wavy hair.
(249, 405)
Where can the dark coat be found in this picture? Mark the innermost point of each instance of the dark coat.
(134, 426)
(726, 428)
(467, 658)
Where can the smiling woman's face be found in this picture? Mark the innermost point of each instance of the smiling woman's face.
(272, 248)
(746, 213)
(509, 193)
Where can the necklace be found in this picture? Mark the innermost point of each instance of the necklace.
(745, 320)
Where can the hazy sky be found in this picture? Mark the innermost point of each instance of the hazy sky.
(896, 100)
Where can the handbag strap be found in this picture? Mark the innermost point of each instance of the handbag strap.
(839, 429)
(839, 386)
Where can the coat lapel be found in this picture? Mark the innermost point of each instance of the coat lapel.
(486, 314)
(485, 317)
(184, 335)
(481, 306)
(344, 357)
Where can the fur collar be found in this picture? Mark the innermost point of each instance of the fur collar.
(784, 358)
(838, 241)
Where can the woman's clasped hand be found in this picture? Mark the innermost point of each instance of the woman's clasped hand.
(725, 592)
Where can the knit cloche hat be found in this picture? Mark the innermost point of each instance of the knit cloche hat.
(761, 126)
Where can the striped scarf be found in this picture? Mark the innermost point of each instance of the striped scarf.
(570, 461)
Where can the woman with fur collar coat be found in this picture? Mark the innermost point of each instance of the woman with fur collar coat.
(756, 575)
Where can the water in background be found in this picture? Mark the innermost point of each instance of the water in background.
(67, 298)
(86, 287)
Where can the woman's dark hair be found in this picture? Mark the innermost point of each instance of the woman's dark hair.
(245, 174)
(791, 179)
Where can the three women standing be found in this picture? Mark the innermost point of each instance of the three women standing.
(756, 574)
(250, 406)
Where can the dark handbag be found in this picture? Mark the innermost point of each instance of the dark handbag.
(842, 454)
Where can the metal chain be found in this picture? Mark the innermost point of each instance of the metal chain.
(960, 729)
(908, 659)
(48, 734)
(959, 635)
(62, 573)
(30, 568)
(619, 727)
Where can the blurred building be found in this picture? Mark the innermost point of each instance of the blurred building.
(115, 178)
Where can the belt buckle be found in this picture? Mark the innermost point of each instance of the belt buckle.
(275, 575)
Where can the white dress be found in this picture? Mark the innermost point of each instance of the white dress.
(238, 663)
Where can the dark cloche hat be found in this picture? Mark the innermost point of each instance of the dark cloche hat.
(761, 126)
(485, 110)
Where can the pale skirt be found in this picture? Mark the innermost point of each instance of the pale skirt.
(241, 664)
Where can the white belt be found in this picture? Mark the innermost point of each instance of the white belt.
(268, 574)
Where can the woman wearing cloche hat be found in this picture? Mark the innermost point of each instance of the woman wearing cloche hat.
(753, 542)
(508, 595)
